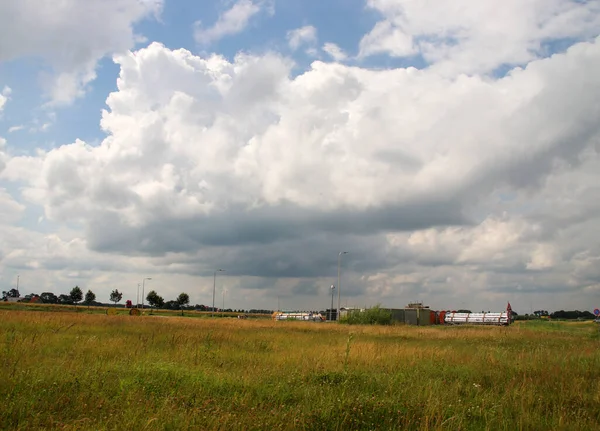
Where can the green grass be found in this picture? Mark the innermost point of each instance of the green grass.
(90, 371)
(120, 310)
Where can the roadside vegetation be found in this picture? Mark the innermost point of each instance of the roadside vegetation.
(91, 371)
(371, 316)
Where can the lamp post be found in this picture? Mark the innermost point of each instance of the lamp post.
(331, 309)
(214, 285)
(137, 302)
(18, 285)
(223, 306)
(143, 285)
(338, 286)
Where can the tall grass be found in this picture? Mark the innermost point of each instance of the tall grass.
(87, 371)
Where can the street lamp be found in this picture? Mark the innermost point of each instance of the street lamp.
(339, 287)
(137, 302)
(331, 309)
(214, 285)
(143, 285)
(223, 307)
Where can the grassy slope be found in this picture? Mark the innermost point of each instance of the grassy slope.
(90, 371)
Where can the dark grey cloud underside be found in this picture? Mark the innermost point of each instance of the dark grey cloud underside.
(237, 227)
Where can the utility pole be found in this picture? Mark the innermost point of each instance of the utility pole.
(143, 285)
(212, 313)
(331, 309)
(338, 286)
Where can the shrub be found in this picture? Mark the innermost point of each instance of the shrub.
(371, 316)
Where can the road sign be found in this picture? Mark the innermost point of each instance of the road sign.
(596, 312)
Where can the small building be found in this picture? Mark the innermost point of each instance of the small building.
(415, 313)
(11, 299)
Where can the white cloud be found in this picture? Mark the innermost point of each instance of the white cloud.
(15, 128)
(440, 186)
(208, 120)
(306, 35)
(233, 21)
(4, 97)
(71, 36)
(10, 210)
(335, 51)
(473, 36)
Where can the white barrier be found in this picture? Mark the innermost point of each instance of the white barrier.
(314, 317)
(477, 318)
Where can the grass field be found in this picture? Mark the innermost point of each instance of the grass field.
(91, 371)
(120, 310)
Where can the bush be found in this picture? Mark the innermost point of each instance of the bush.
(371, 316)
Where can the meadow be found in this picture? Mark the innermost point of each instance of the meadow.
(92, 371)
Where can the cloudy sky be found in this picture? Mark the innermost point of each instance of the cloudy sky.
(452, 148)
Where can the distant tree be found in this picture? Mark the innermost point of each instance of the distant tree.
(12, 293)
(572, 315)
(154, 299)
(65, 299)
(115, 296)
(49, 298)
(89, 297)
(182, 300)
(171, 305)
(76, 295)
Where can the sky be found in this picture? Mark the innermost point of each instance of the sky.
(451, 148)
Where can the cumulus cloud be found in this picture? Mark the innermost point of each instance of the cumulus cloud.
(70, 36)
(4, 97)
(233, 21)
(306, 35)
(475, 36)
(10, 210)
(442, 185)
(335, 51)
(437, 186)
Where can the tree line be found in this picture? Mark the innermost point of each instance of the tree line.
(76, 296)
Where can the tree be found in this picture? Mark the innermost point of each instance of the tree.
(154, 299)
(76, 295)
(183, 299)
(89, 297)
(49, 298)
(65, 299)
(115, 296)
(12, 293)
(171, 305)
